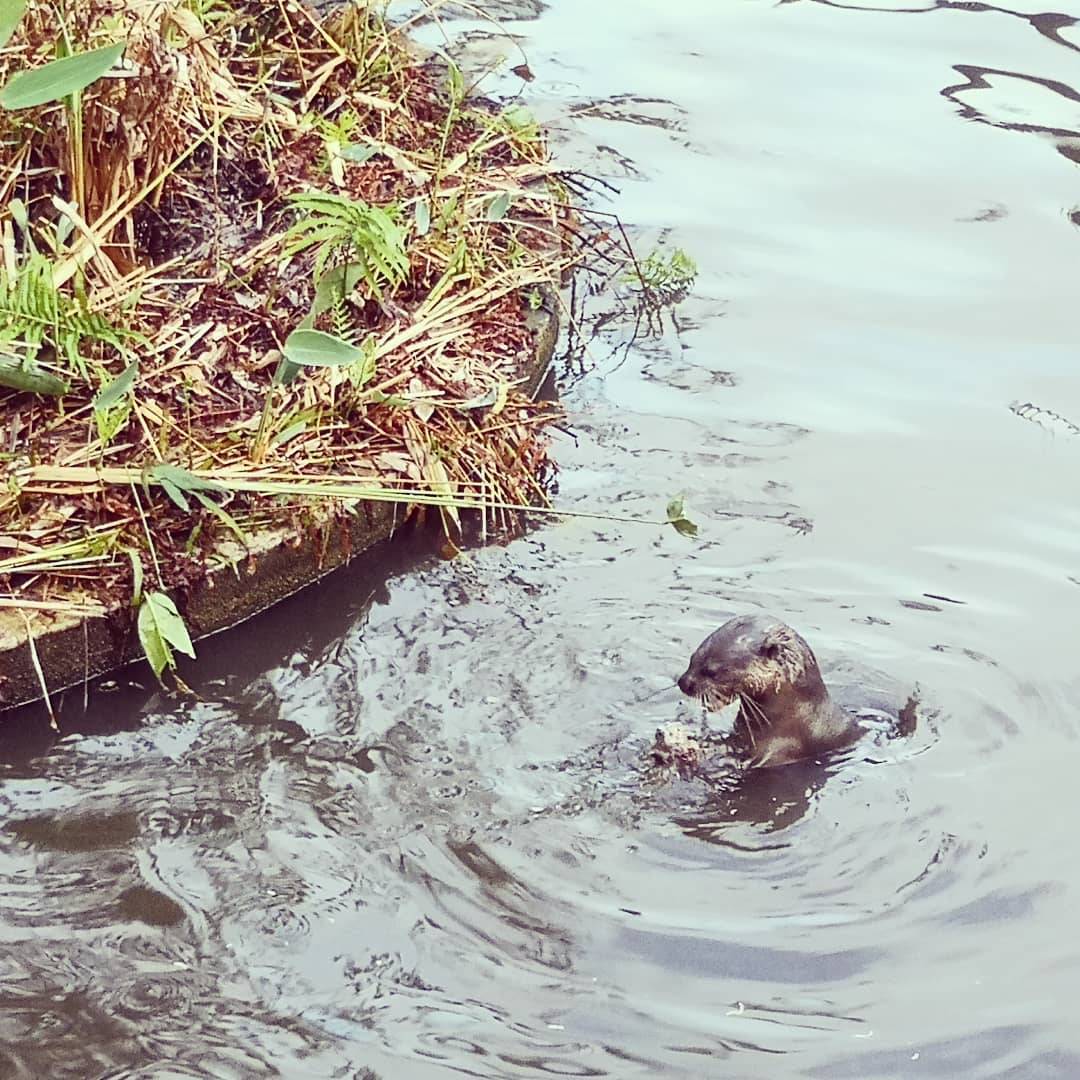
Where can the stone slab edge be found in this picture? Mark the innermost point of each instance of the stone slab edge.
(276, 564)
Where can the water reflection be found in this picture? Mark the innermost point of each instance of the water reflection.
(1008, 88)
(1048, 23)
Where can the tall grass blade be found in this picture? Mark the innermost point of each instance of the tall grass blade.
(58, 78)
(11, 13)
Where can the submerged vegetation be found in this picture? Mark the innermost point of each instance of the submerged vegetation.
(251, 255)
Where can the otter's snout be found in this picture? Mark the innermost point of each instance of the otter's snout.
(688, 684)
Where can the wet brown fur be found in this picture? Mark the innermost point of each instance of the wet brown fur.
(786, 713)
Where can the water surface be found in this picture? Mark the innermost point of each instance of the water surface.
(402, 830)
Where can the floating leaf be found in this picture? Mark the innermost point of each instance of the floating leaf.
(162, 629)
(498, 206)
(676, 516)
(11, 13)
(58, 78)
(318, 349)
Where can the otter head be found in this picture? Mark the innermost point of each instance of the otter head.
(759, 661)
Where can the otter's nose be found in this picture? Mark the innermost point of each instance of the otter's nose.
(686, 684)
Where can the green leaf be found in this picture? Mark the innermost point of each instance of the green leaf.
(363, 371)
(11, 13)
(174, 493)
(394, 401)
(223, 516)
(498, 206)
(288, 433)
(182, 479)
(29, 377)
(112, 421)
(161, 629)
(59, 78)
(335, 285)
(118, 388)
(156, 650)
(318, 349)
(18, 210)
(285, 372)
(677, 519)
(171, 623)
(455, 82)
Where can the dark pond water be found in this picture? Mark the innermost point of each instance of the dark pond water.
(403, 835)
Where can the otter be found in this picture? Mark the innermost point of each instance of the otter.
(785, 713)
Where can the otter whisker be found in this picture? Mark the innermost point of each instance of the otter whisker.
(754, 711)
(746, 721)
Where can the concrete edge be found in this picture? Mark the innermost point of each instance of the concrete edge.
(277, 563)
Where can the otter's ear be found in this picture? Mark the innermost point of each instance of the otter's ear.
(780, 645)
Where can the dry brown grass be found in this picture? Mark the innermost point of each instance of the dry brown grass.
(165, 212)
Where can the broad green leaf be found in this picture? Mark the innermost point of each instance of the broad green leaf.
(29, 377)
(498, 206)
(318, 349)
(173, 628)
(161, 629)
(11, 13)
(59, 78)
(154, 645)
(118, 388)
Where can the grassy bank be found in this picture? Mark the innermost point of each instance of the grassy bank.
(251, 256)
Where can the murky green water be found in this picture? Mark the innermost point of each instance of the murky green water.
(402, 832)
